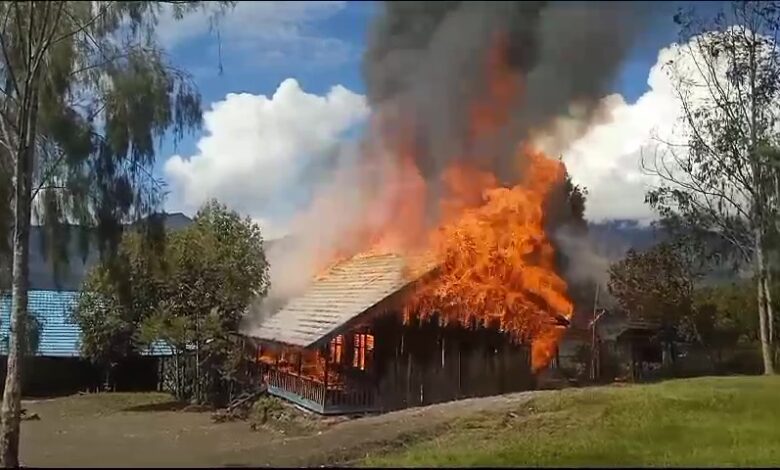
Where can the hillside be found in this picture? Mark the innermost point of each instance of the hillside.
(614, 237)
(41, 273)
(611, 239)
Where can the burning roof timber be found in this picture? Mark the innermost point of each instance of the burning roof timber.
(348, 290)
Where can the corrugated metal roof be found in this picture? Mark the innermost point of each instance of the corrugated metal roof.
(59, 336)
(348, 289)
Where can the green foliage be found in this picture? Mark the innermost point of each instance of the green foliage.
(577, 196)
(664, 284)
(727, 313)
(100, 94)
(86, 94)
(114, 299)
(722, 182)
(190, 294)
(106, 330)
(655, 284)
(32, 338)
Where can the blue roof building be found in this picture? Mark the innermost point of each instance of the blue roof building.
(51, 299)
(59, 336)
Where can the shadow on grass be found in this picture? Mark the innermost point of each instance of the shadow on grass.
(164, 406)
(170, 405)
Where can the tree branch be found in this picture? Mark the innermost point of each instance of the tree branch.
(6, 57)
(101, 13)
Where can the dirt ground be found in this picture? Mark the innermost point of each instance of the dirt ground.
(145, 430)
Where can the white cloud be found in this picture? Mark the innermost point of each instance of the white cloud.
(257, 150)
(263, 31)
(608, 158)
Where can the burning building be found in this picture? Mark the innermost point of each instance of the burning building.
(343, 347)
(443, 279)
(475, 312)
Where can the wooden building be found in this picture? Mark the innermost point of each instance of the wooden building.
(343, 347)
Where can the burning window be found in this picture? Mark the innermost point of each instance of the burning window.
(337, 348)
(364, 346)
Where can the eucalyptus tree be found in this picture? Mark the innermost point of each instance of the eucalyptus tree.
(86, 95)
(721, 181)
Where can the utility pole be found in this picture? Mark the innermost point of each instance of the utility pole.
(197, 356)
(594, 344)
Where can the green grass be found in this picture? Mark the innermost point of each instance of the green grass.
(731, 421)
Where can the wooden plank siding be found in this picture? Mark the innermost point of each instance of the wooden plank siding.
(414, 364)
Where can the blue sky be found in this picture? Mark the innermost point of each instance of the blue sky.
(348, 25)
(241, 73)
(320, 45)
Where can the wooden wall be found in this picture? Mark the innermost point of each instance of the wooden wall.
(423, 363)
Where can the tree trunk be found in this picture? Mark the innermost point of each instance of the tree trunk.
(10, 412)
(107, 377)
(770, 315)
(23, 169)
(764, 310)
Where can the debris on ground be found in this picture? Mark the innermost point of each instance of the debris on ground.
(275, 414)
(25, 416)
(266, 412)
(239, 408)
(197, 408)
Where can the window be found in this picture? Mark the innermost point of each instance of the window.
(337, 349)
(364, 347)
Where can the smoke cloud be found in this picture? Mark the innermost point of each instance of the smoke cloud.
(425, 67)
(429, 58)
(426, 62)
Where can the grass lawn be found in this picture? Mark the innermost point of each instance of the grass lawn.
(729, 421)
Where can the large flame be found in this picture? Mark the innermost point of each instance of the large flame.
(496, 263)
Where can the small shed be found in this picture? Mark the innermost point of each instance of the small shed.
(343, 347)
(634, 343)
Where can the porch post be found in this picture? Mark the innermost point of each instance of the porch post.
(325, 381)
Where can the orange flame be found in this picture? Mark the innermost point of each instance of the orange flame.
(496, 263)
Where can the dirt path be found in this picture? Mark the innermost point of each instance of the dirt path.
(176, 438)
(350, 440)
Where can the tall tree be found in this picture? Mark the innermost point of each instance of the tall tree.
(658, 285)
(85, 95)
(721, 181)
(190, 296)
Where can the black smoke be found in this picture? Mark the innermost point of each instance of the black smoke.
(425, 67)
(425, 63)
